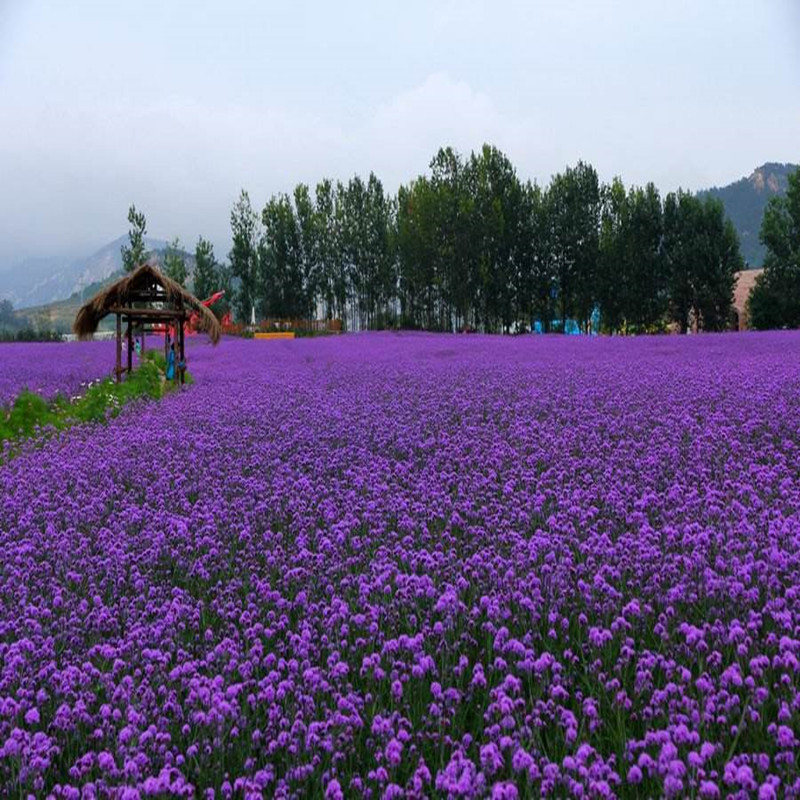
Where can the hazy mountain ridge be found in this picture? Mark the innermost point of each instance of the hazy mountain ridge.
(39, 281)
(58, 315)
(745, 201)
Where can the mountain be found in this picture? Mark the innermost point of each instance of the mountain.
(59, 315)
(745, 201)
(87, 276)
(38, 281)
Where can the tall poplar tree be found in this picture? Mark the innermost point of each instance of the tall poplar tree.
(646, 295)
(281, 260)
(614, 265)
(134, 253)
(498, 219)
(308, 243)
(631, 279)
(681, 213)
(542, 279)
(719, 260)
(205, 269)
(244, 258)
(174, 262)
(454, 250)
(416, 241)
(326, 243)
(574, 209)
(701, 252)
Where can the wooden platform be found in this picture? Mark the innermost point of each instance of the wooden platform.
(277, 335)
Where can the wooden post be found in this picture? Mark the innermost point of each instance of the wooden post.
(182, 360)
(118, 370)
(129, 336)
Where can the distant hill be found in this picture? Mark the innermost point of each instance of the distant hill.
(745, 201)
(59, 315)
(38, 281)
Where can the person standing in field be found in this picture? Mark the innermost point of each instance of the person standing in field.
(171, 363)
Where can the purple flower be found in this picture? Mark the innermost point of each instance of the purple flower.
(786, 737)
(634, 774)
(709, 789)
(394, 752)
(327, 562)
(32, 717)
(491, 758)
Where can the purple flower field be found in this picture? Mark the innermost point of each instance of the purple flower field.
(415, 565)
(52, 368)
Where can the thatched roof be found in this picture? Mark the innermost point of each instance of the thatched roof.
(123, 292)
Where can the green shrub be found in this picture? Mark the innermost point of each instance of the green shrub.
(156, 357)
(30, 413)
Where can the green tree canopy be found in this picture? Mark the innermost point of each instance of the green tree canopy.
(280, 258)
(775, 299)
(206, 280)
(631, 279)
(244, 256)
(574, 209)
(701, 251)
(416, 242)
(134, 253)
(326, 247)
(174, 262)
(540, 286)
(469, 245)
(498, 209)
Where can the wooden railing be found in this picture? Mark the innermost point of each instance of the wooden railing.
(277, 325)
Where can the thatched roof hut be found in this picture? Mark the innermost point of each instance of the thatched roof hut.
(145, 298)
(146, 284)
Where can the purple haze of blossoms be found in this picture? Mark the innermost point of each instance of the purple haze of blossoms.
(414, 565)
(52, 368)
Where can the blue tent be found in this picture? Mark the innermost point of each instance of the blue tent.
(571, 327)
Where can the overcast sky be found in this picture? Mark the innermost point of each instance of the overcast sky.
(177, 105)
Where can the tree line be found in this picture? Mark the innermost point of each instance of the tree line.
(472, 246)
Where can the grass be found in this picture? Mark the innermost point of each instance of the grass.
(30, 414)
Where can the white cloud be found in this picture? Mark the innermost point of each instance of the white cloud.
(183, 163)
(70, 168)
